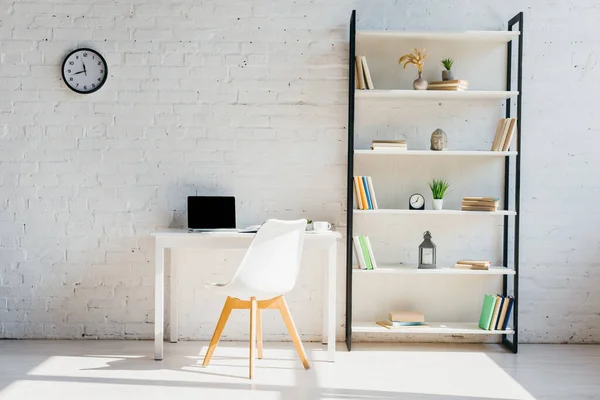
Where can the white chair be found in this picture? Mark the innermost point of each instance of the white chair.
(268, 271)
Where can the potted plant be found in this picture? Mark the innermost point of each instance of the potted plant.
(438, 190)
(447, 74)
(416, 58)
(309, 225)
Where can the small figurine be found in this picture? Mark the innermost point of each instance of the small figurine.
(439, 140)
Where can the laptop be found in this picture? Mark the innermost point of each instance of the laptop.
(211, 213)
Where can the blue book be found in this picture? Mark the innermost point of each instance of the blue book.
(511, 301)
(498, 322)
(367, 193)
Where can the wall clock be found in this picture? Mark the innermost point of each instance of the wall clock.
(84, 71)
(416, 202)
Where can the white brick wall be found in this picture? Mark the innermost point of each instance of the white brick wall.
(249, 98)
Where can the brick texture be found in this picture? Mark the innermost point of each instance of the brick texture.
(249, 98)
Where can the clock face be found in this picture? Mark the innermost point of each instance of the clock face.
(416, 202)
(84, 71)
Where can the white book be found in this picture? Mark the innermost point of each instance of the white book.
(372, 193)
(368, 80)
(359, 254)
(371, 252)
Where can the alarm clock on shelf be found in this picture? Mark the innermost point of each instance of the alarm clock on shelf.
(416, 202)
(84, 71)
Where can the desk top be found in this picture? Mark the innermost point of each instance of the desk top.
(233, 234)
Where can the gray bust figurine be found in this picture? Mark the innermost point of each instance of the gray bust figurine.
(439, 140)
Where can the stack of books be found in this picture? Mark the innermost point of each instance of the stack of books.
(400, 319)
(455, 85)
(387, 145)
(480, 203)
(495, 312)
(504, 133)
(473, 264)
(364, 252)
(364, 193)
(363, 75)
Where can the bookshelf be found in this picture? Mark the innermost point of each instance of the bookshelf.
(417, 213)
(492, 87)
(429, 153)
(435, 95)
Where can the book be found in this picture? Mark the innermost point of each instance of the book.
(481, 199)
(471, 266)
(359, 202)
(475, 262)
(365, 252)
(406, 316)
(483, 209)
(390, 148)
(495, 314)
(368, 79)
(359, 254)
(360, 73)
(363, 195)
(450, 82)
(393, 324)
(479, 203)
(511, 131)
(372, 191)
(502, 316)
(367, 192)
(502, 139)
(511, 303)
(370, 250)
(389, 141)
(480, 206)
(499, 129)
(495, 322)
(489, 302)
(450, 89)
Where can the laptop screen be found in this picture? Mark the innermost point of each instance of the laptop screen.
(211, 212)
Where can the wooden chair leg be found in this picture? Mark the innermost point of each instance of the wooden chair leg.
(218, 331)
(253, 308)
(289, 323)
(259, 341)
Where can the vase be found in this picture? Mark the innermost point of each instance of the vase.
(420, 83)
(447, 75)
(438, 204)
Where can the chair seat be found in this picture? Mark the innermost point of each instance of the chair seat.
(240, 291)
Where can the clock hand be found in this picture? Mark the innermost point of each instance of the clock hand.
(77, 73)
(84, 70)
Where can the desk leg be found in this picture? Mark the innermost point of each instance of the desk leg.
(159, 302)
(331, 301)
(173, 301)
(325, 302)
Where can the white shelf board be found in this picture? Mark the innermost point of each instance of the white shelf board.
(444, 328)
(431, 153)
(435, 212)
(466, 36)
(413, 270)
(435, 94)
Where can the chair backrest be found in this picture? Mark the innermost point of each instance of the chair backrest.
(272, 261)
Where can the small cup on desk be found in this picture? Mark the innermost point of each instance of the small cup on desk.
(321, 226)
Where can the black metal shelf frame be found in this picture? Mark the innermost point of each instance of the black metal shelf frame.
(512, 345)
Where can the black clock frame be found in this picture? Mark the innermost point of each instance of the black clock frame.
(101, 59)
(410, 207)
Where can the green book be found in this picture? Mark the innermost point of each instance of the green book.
(365, 251)
(489, 303)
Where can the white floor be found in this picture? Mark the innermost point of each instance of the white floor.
(118, 370)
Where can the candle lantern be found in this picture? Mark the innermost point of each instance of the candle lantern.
(427, 252)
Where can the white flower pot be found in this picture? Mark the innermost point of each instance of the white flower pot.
(438, 204)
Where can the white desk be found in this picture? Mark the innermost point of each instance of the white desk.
(183, 239)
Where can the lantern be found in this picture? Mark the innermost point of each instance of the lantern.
(427, 252)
